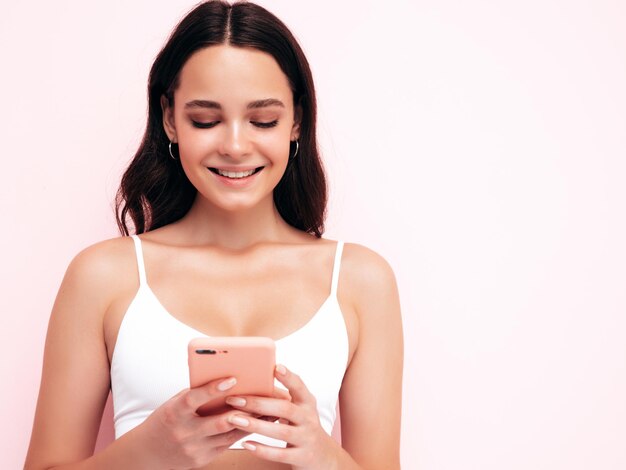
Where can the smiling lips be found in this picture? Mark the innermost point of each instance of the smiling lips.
(236, 173)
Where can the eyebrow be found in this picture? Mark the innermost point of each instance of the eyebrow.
(252, 105)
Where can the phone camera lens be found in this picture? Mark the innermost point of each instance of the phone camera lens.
(205, 351)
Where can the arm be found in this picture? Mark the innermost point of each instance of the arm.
(370, 399)
(75, 377)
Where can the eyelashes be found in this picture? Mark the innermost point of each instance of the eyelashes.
(265, 125)
(209, 125)
(204, 125)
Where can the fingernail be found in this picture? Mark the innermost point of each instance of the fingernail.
(226, 384)
(281, 369)
(239, 421)
(236, 401)
(249, 446)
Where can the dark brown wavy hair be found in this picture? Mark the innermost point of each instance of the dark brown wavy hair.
(154, 189)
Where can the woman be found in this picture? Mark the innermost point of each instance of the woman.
(228, 193)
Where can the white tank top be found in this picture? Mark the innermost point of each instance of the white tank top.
(149, 363)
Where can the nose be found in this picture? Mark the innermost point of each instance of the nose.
(235, 142)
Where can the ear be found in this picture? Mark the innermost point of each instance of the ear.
(297, 119)
(168, 119)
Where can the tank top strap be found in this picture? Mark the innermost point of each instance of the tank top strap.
(140, 265)
(338, 252)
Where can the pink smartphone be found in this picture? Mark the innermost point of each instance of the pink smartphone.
(251, 359)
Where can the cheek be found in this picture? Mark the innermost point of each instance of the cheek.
(277, 151)
(197, 144)
(274, 144)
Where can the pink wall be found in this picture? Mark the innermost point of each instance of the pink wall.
(479, 146)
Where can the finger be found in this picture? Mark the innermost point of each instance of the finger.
(287, 455)
(195, 397)
(282, 432)
(281, 393)
(263, 406)
(229, 438)
(298, 391)
(218, 425)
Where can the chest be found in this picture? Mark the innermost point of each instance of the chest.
(219, 295)
(242, 296)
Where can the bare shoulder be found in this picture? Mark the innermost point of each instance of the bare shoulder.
(101, 269)
(104, 254)
(370, 286)
(360, 257)
(368, 274)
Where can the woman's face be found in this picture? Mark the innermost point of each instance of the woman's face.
(233, 114)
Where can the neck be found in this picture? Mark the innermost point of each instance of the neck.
(206, 224)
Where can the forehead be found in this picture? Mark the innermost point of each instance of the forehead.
(233, 74)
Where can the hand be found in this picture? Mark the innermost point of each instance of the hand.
(309, 447)
(177, 437)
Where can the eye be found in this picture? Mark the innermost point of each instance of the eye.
(265, 125)
(205, 125)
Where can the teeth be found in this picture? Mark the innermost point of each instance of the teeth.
(235, 174)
